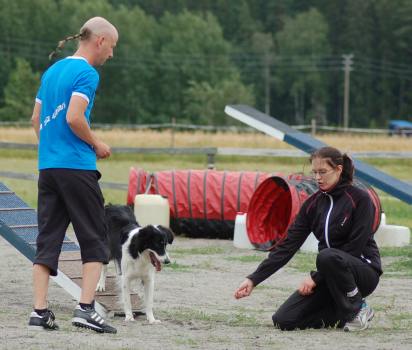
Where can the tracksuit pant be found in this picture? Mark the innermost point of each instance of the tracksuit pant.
(344, 281)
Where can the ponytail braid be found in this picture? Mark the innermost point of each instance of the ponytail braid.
(348, 168)
(84, 34)
(61, 43)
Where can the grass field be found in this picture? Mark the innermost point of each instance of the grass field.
(149, 138)
(116, 168)
(197, 307)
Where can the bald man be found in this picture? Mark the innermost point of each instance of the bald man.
(68, 189)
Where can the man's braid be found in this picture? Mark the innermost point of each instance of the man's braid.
(83, 35)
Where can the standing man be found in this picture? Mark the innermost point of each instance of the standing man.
(68, 178)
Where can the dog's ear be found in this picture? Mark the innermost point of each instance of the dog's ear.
(136, 246)
(168, 232)
(139, 241)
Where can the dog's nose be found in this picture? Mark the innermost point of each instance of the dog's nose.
(167, 261)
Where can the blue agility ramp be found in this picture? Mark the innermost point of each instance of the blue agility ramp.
(308, 144)
(18, 225)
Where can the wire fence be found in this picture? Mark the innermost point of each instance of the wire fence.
(312, 128)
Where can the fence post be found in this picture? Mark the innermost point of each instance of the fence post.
(347, 67)
(313, 126)
(211, 160)
(173, 126)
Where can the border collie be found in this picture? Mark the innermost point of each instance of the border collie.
(138, 252)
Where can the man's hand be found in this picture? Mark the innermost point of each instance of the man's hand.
(307, 286)
(244, 289)
(77, 122)
(102, 150)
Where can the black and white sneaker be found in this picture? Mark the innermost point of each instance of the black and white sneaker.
(361, 320)
(43, 322)
(90, 319)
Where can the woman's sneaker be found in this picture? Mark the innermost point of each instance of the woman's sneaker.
(89, 318)
(43, 322)
(361, 320)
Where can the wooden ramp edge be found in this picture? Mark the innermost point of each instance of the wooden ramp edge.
(18, 225)
(70, 264)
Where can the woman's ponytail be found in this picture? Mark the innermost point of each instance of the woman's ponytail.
(348, 168)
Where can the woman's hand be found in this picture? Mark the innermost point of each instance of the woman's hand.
(307, 286)
(244, 289)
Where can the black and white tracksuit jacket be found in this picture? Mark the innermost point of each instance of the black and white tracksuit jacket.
(341, 218)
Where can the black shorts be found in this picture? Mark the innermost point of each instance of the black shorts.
(69, 195)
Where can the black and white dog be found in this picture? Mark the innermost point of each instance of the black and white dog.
(138, 252)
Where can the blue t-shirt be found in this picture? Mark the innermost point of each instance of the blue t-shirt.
(59, 147)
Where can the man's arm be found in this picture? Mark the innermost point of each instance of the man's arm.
(35, 118)
(77, 121)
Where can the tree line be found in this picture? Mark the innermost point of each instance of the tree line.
(184, 60)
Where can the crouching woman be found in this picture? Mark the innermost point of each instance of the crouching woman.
(348, 265)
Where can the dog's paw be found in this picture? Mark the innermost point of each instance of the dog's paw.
(100, 288)
(154, 321)
(129, 318)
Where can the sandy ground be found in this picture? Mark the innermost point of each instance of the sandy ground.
(194, 301)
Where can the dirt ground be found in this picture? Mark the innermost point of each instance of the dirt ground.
(194, 300)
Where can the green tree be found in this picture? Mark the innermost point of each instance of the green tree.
(133, 69)
(205, 103)
(28, 30)
(191, 48)
(378, 33)
(124, 93)
(234, 17)
(299, 45)
(20, 92)
(402, 36)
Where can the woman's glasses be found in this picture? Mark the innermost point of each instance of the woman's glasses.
(321, 173)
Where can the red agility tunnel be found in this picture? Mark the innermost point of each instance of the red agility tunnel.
(202, 203)
(276, 202)
(137, 184)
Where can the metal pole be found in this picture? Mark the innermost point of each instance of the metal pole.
(313, 127)
(347, 62)
(267, 83)
(173, 127)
